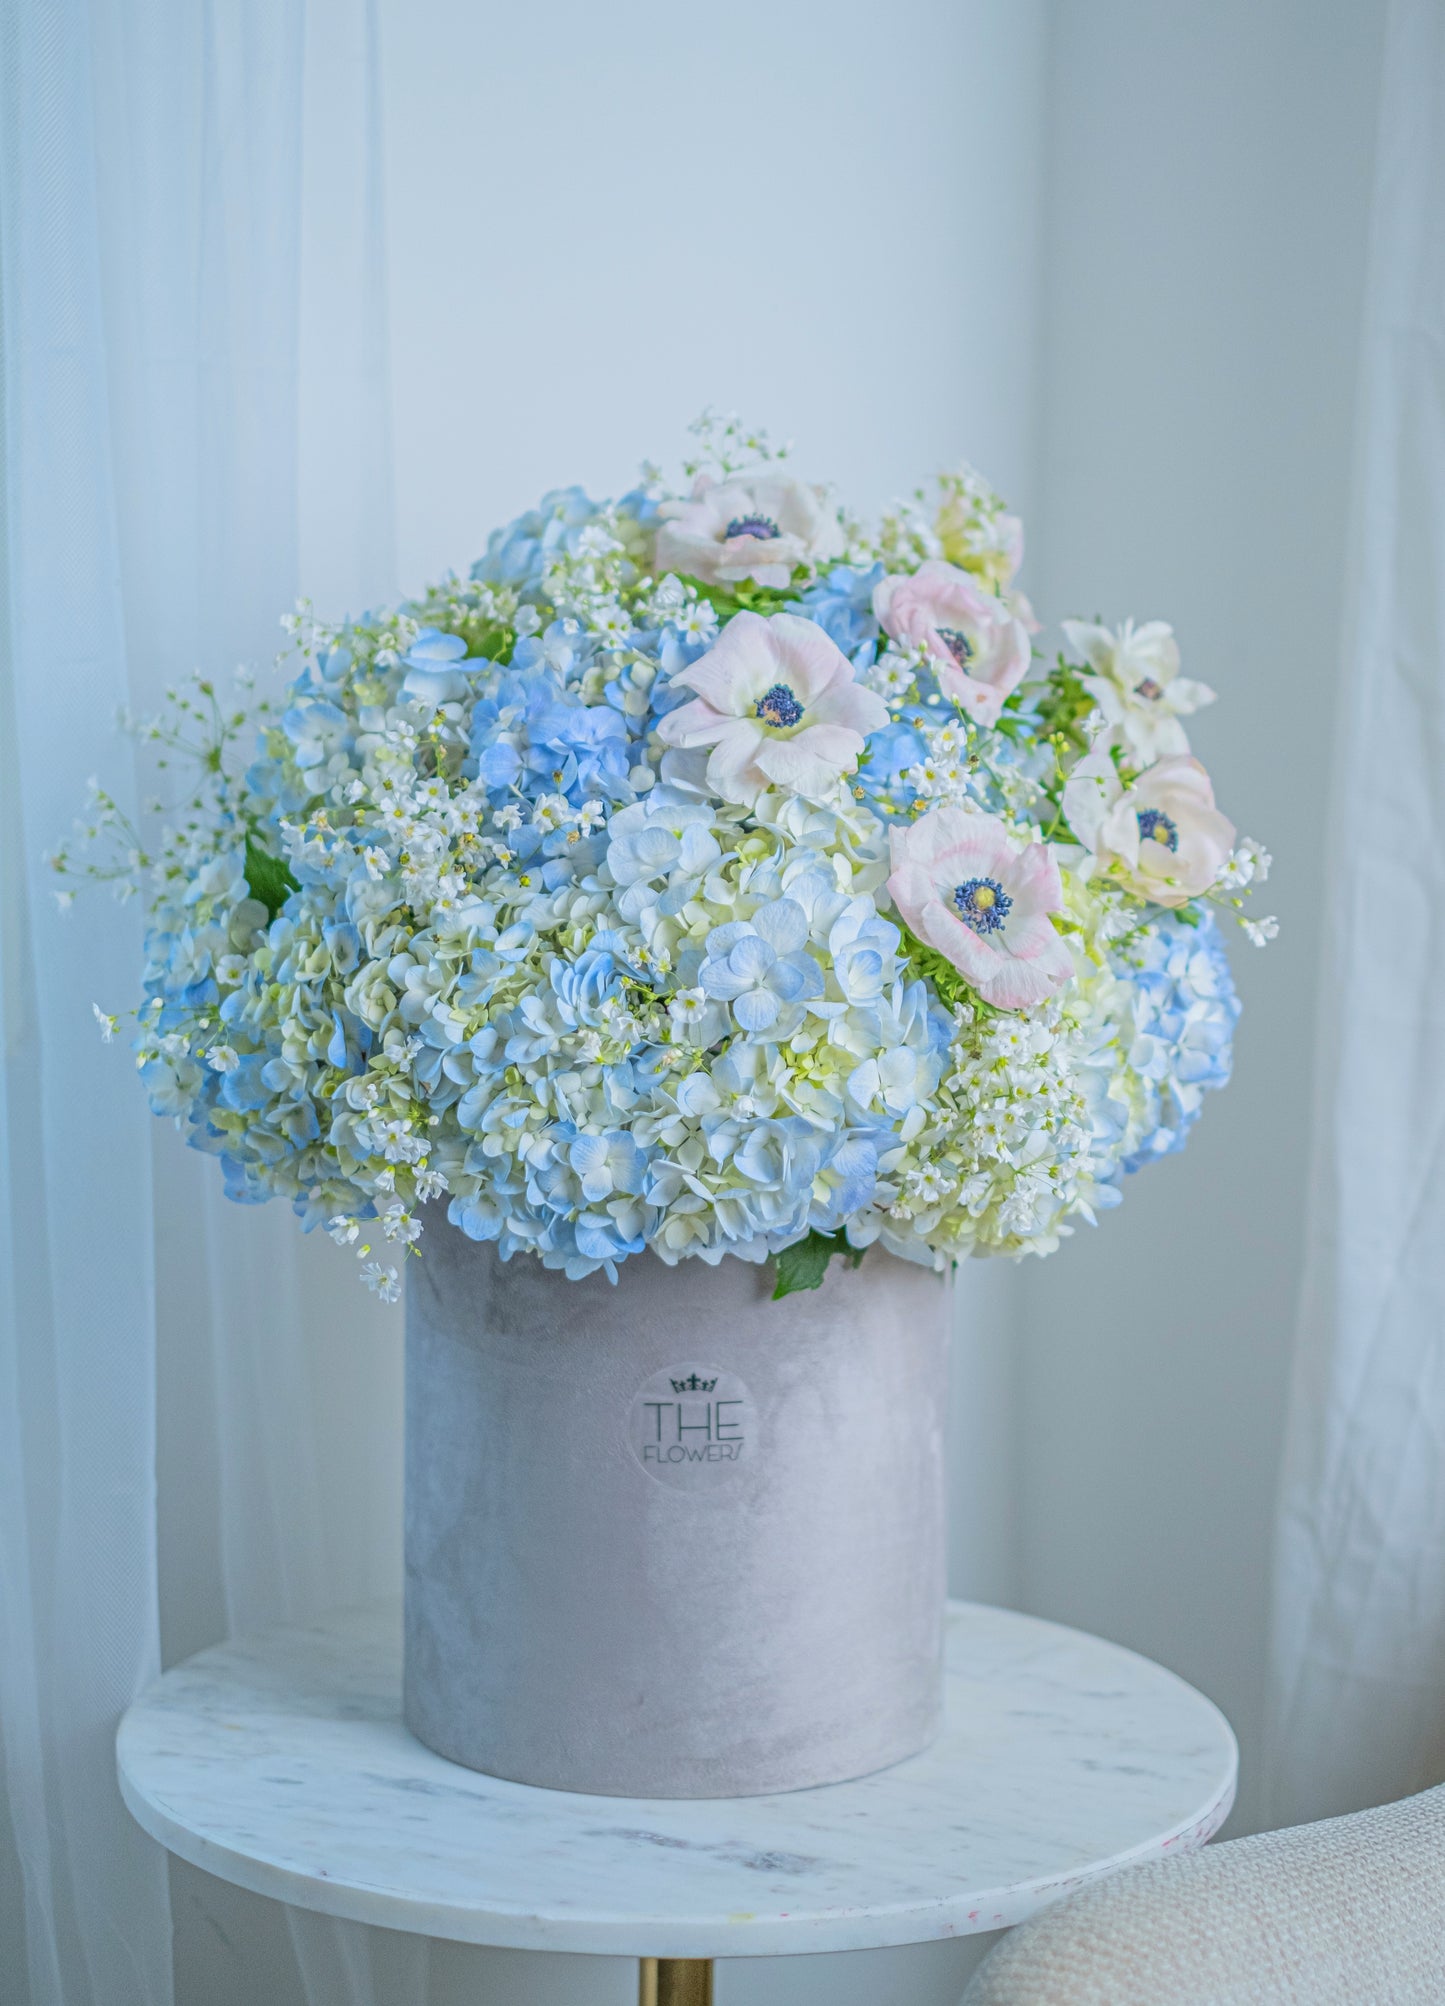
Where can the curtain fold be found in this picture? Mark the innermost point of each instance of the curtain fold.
(194, 325)
(1357, 1702)
(84, 1891)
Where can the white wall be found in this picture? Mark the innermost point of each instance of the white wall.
(1205, 230)
(603, 218)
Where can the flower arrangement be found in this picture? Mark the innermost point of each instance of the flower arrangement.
(706, 872)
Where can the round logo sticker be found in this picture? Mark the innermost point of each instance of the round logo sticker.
(693, 1426)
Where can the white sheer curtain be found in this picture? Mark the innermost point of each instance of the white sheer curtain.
(194, 329)
(1358, 1698)
(84, 1914)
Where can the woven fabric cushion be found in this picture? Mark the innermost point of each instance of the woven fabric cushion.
(1349, 1912)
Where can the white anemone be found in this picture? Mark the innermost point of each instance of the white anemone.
(760, 526)
(778, 704)
(1134, 679)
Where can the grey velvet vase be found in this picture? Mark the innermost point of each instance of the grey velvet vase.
(669, 1538)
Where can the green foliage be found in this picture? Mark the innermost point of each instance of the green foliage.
(745, 597)
(490, 639)
(804, 1264)
(951, 988)
(1063, 706)
(268, 878)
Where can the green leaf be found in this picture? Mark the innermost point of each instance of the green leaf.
(804, 1264)
(268, 878)
(488, 640)
(744, 597)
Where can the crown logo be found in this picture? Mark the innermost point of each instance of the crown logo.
(692, 1384)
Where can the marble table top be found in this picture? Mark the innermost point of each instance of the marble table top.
(280, 1762)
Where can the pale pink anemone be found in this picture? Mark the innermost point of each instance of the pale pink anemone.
(778, 704)
(1163, 834)
(758, 525)
(979, 642)
(966, 888)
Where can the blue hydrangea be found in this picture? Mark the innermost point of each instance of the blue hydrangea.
(518, 554)
(842, 604)
(1185, 1011)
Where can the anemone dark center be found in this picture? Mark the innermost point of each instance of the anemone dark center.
(778, 707)
(982, 904)
(761, 526)
(957, 644)
(1156, 826)
(1149, 689)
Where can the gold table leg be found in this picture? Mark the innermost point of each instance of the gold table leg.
(675, 1981)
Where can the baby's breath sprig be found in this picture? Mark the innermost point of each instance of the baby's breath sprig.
(727, 446)
(198, 736)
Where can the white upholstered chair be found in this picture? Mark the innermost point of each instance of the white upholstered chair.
(1349, 1912)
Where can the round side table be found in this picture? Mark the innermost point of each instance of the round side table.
(280, 1762)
